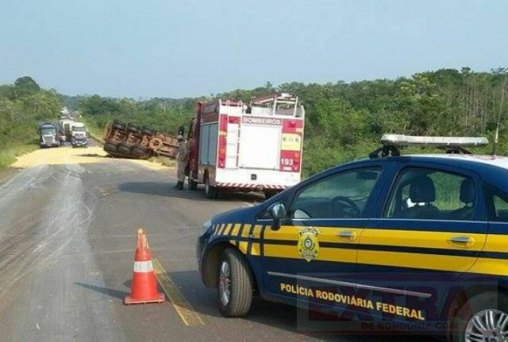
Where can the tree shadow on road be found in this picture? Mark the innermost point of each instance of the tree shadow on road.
(324, 327)
(166, 189)
(92, 155)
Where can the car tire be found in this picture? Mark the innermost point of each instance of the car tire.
(234, 284)
(193, 185)
(110, 147)
(139, 151)
(147, 131)
(133, 129)
(118, 127)
(117, 124)
(477, 309)
(125, 149)
(210, 191)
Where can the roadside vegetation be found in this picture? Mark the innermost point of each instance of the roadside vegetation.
(344, 121)
(23, 106)
(8, 154)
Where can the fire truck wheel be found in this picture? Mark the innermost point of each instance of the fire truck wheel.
(234, 282)
(210, 191)
(109, 147)
(193, 185)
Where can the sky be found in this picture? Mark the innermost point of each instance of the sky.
(188, 48)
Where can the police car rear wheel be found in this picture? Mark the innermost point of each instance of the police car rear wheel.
(234, 284)
(482, 318)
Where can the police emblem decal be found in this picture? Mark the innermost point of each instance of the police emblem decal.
(308, 244)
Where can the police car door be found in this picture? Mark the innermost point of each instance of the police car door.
(313, 254)
(430, 234)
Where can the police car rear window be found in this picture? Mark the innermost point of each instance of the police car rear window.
(499, 210)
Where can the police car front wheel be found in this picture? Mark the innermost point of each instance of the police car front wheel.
(234, 284)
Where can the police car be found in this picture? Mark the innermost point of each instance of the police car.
(393, 242)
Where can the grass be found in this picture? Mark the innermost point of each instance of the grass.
(95, 131)
(8, 154)
(164, 161)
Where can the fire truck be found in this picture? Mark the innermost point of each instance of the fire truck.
(234, 146)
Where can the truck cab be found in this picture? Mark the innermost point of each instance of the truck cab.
(48, 135)
(78, 135)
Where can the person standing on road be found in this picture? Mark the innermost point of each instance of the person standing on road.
(182, 158)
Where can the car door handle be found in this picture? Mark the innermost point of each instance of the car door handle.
(349, 235)
(463, 241)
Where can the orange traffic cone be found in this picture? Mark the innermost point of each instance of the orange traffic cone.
(144, 284)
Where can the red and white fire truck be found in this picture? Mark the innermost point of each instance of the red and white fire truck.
(247, 147)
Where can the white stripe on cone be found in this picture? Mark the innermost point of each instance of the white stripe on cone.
(143, 266)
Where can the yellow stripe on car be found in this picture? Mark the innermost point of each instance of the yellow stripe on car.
(412, 238)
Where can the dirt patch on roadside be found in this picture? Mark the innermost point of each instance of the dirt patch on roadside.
(69, 155)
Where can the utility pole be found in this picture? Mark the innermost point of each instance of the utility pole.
(496, 136)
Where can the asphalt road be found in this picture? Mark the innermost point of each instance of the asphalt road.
(67, 241)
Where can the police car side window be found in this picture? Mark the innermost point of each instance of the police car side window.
(421, 193)
(497, 204)
(342, 195)
(501, 207)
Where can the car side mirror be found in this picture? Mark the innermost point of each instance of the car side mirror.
(277, 213)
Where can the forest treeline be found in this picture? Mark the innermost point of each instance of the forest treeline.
(344, 121)
(22, 106)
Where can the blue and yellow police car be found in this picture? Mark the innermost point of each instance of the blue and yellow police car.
(393, 242)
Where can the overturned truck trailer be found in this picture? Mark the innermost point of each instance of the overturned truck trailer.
(130, 141)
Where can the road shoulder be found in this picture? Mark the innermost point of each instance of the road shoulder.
(8, 173)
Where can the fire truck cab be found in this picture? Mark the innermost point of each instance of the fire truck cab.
(239, 147)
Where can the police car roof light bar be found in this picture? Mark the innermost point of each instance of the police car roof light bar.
(399, 140)
(392, 143)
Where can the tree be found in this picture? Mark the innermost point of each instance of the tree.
(26, 86)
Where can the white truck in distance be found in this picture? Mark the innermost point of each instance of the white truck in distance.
(78, 135)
